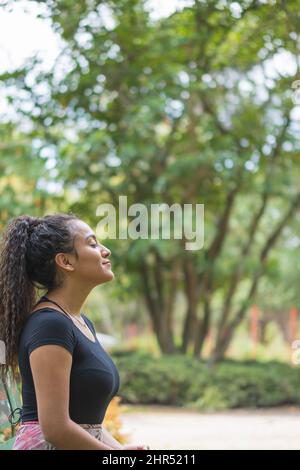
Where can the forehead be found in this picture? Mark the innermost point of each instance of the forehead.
(81, 230)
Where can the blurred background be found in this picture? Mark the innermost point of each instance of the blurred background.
(193, 101)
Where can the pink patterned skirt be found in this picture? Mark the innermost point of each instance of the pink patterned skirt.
(29, 436)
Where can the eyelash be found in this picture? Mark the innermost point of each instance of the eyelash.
(94, 245)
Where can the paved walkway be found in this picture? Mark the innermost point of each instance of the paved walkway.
(175, 428)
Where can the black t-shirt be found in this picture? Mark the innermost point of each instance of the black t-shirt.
(94, 378)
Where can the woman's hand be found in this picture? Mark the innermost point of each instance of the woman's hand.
(135, 447)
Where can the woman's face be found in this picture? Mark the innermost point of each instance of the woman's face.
(91, 266)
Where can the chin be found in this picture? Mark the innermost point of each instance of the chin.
(104, 279)
(109, 276)
(112, 276)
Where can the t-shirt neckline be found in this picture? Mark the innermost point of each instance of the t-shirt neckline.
(56, 310)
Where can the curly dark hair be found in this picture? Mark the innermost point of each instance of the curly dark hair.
(27, 264)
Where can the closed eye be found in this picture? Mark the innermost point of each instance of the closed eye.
(94, 240)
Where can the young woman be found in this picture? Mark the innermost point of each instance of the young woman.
(68, 379)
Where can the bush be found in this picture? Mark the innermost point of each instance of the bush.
(183, 381)
(112, 422)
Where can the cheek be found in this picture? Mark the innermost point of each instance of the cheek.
(89, 266)
(90, 260)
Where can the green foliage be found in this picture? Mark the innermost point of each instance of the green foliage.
(182, 381)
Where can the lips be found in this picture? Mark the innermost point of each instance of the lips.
(107, 263)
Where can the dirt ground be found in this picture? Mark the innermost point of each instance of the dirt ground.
(175, 428)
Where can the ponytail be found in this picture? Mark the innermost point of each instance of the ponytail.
(17, 294)
(27, 261)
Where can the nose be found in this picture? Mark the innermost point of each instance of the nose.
(105, 252)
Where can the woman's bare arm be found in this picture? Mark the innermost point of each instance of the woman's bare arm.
(51, 367)
(109, 440)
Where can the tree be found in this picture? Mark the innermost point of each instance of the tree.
(185, 109)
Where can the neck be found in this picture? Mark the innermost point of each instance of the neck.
(70, 298)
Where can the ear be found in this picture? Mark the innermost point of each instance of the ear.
(64, 261)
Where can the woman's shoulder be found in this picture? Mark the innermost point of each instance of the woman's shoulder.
(47, 319)
(48, 326)
(43, 313)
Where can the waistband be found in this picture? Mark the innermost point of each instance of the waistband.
(86, 426)
(28, 422)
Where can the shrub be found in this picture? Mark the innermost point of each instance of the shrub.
(184, 381)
